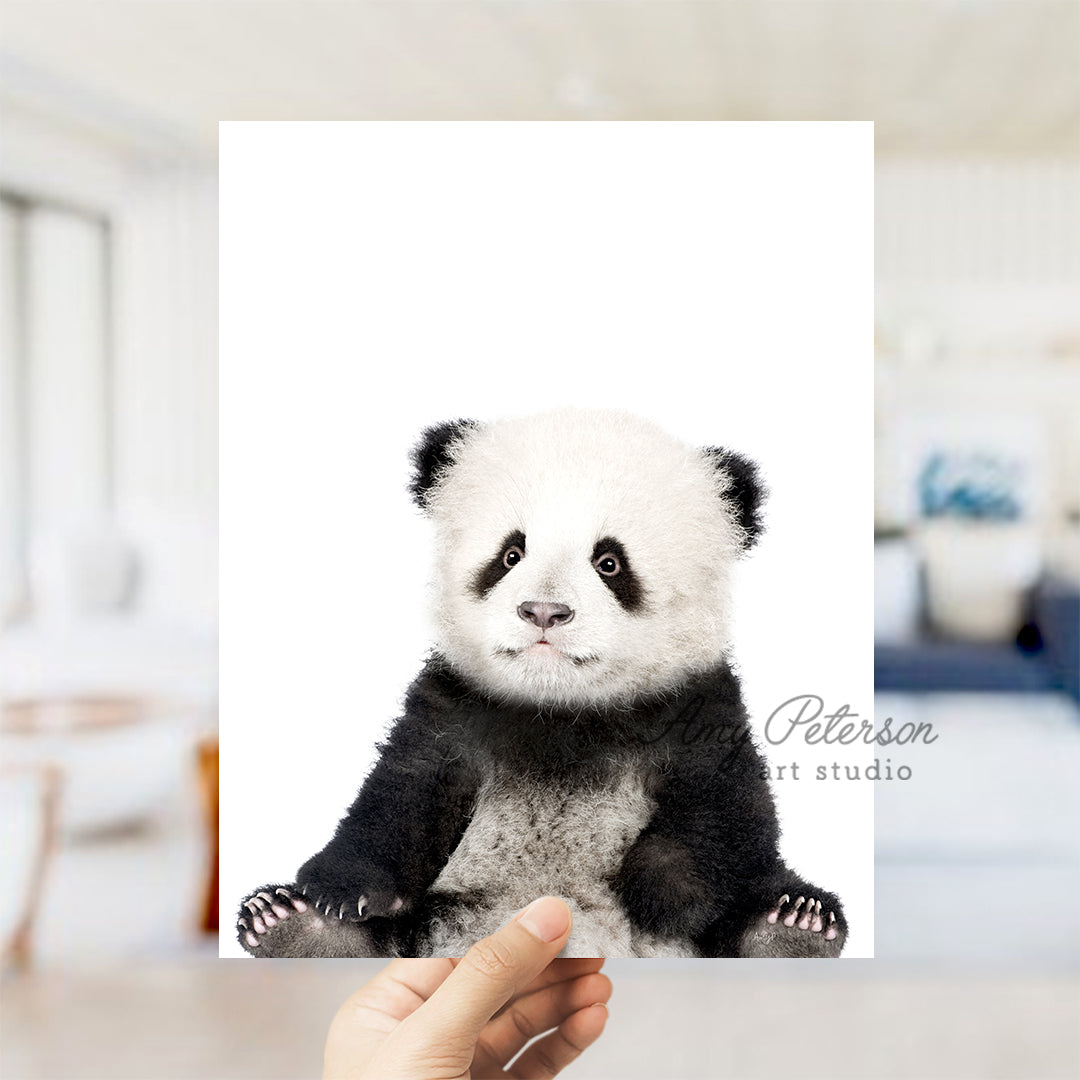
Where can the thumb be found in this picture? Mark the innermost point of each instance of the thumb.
(492, 971)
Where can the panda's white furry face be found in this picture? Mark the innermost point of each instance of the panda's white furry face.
(583, 558)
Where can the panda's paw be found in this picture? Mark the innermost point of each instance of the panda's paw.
(796, 926)
(263, 910)
(351, 904)
(278, 922)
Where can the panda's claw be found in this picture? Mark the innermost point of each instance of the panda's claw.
(790, 919)
(352, 902)
(774, 915)
(296, 902)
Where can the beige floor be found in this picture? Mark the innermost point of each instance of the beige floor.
(208, 1018)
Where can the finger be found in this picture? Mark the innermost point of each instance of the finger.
(491, 972)
(548, 1056)
(421, 977)
(561, 969)
(398, 990)
(539, 1012)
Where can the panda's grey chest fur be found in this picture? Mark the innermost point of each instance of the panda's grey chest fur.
(527, 838)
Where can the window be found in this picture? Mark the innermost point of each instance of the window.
(55, 382)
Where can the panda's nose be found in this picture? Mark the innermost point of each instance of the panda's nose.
(545, 615)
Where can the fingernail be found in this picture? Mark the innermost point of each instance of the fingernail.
(547, 918)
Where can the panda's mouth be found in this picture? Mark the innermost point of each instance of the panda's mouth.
(545, 647)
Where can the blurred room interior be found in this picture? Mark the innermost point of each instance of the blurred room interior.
(108, 506)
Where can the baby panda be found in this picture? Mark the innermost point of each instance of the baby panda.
(578, 729)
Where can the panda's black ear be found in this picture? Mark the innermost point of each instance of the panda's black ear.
(431, 456)
(745, 490)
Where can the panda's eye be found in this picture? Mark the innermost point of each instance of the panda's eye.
(512, 556)
(608, 565)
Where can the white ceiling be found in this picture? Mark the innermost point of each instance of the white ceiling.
(947, 77)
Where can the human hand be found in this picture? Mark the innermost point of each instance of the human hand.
(443, 1019)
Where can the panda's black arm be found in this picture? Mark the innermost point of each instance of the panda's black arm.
(712, 838)
(397, 835)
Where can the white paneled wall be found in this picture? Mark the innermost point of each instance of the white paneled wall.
(127, 425)
(978, 314)
(985, 221)
(55, 414)
(12, 575)
(67, 419)
(167, 339)
(166, 382)
(983, 254)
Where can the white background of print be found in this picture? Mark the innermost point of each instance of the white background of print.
(377, 277)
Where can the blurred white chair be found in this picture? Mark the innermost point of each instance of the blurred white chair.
(81, 571)
(121, 759)
(111, 693)
(108, 618)
(29, 799)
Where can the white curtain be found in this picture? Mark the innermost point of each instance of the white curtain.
(166, 386)
(55, 414)
(12, 495)
(108, 391)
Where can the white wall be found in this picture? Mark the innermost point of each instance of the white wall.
(166, 382)
(984, 256)
(66, 367)
(12, 576)
(977, 280)
(162, 212)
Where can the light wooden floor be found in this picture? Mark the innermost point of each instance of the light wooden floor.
(225, 1019)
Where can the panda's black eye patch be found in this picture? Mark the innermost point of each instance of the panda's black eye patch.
(613, 567)
(511, 552)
